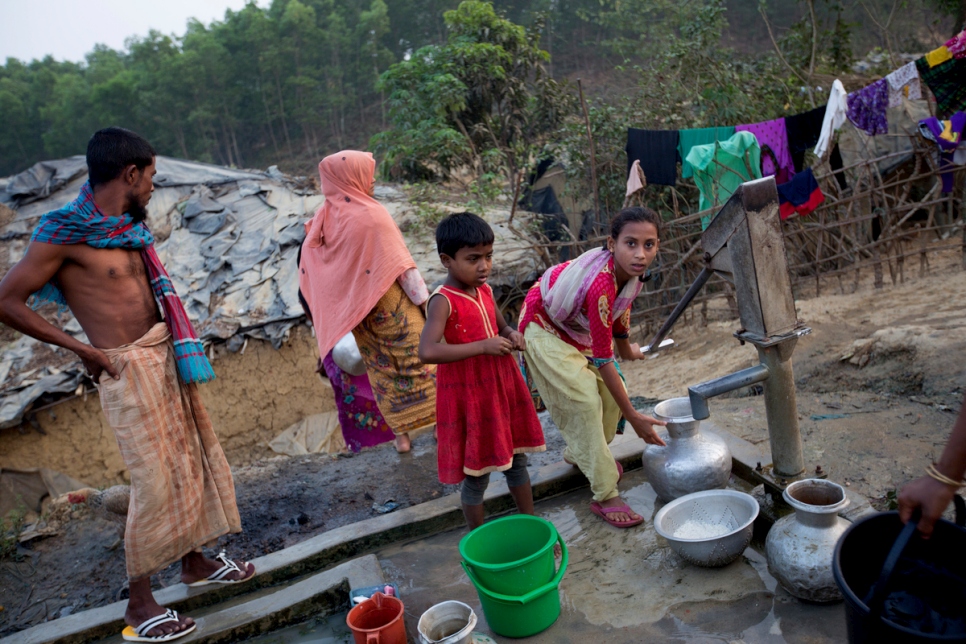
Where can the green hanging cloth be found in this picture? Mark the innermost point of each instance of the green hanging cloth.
(687, 139)
(719, 168)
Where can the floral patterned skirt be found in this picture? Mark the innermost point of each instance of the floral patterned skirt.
(388, 340)
(362, 422)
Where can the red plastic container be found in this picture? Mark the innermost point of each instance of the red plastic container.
(378, 620)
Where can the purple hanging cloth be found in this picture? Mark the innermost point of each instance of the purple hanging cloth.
(867, 108)
(773, 135)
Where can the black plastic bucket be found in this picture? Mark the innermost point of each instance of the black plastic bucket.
(923, 588)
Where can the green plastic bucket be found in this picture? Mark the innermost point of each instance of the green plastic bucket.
(522, 615)
(513, 555)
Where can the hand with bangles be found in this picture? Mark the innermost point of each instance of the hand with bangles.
(932, 493)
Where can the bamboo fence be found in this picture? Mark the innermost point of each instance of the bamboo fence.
(875, 223)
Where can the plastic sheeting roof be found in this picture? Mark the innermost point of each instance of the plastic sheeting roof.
(229, 240)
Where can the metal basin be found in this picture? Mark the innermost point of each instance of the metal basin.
(710, 528)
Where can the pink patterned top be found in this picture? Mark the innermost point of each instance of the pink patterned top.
(600, 298)
(414, 286)
(957, 45)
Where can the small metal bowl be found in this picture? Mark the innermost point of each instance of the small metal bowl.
(731, 511)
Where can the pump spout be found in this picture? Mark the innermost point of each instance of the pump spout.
(700, 393)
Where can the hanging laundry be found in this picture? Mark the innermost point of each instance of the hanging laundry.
(802, 131)
(867, 108)
(636, 181)
(889, 151)
(657, 150)
(801, 195)
(948, 84)
(904, 82)
(938, 56)
(836, 164)
(835, 112)
(948, 135)
(957, 45)
(687, 139)
(719, 168)
(773, 136)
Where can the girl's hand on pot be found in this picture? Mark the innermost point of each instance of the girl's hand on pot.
(644, 427)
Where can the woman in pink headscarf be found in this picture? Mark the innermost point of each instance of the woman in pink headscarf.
(358, 276)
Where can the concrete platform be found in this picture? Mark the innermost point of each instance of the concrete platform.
(636, 550)
(625, 586)
(320, 552)
(261, 611)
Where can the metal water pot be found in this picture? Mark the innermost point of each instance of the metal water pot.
(691, 461)
(346, 356)
(800, 547)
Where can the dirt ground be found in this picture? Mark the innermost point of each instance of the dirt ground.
(257, 395)
(873, 420)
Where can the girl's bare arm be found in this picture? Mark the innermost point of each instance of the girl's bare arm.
(433, 351)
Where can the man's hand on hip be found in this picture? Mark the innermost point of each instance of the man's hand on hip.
(96, 362)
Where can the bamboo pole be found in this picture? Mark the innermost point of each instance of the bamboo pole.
(593, 153)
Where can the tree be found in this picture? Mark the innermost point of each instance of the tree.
(483, 100)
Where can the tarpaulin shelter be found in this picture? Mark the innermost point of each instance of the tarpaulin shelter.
(229, 240)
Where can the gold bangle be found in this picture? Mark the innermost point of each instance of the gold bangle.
(934, 473)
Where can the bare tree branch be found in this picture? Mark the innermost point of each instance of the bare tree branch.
(884, 28)
(781, 57)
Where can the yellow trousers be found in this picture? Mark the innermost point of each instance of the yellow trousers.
(579, 403)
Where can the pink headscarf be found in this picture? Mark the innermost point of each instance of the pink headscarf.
(353, 250)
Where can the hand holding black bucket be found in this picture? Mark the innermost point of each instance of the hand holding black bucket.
(899, 587)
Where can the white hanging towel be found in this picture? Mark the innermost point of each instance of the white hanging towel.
(835, 111)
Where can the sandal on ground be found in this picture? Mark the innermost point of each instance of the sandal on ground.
(219, 576)
(620, 468)
(602, 512)
(140, 634)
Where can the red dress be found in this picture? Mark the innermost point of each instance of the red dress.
(484, 414)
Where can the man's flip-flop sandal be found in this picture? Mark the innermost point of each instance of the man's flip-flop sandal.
(602, 512)
(218, 577)
(620, 468)
(140, 634)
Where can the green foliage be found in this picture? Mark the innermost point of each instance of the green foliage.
(679, 76)
(482, 101)
(290, 82)
(425, 197)
(840, 46)
(892, 499)
(263, 86)
(834, 44)
(10, 528)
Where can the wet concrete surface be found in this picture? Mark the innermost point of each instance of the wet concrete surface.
(324, 630)
(626, 585)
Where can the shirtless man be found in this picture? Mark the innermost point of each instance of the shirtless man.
(109, 292)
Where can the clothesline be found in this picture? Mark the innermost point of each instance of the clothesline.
(786, 139)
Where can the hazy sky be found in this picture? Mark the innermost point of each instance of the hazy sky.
(68, 29)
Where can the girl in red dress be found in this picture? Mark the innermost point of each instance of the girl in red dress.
(484, 414)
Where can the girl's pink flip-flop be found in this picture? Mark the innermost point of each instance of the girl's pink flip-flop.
(602, 512)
